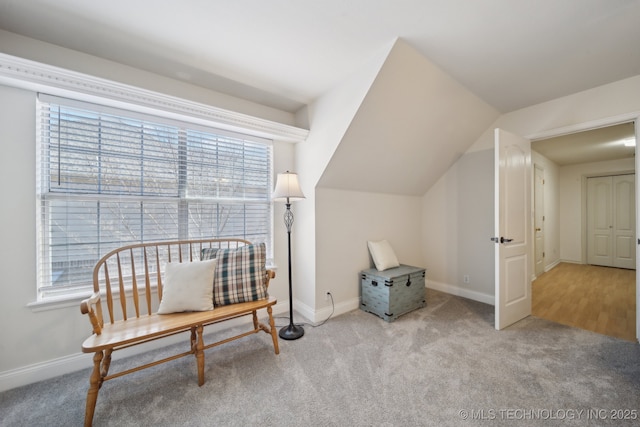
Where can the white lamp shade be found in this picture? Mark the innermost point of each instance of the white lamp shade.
(287, 188)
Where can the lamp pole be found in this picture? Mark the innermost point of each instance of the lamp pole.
(288, 190)
(292, 331)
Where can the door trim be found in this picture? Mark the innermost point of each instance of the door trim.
(594, 124)
(588, 125)
(534, 204)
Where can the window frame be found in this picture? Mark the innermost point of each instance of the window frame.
(48, 293)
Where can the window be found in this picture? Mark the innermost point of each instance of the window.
(111, 177)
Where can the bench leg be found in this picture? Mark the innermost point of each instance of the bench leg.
(106, 363)
(194, 340)
(200, 355)
(95, 382)
(256, 325)
(274, 333)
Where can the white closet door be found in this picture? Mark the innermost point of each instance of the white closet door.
(624, 221)
(611, 221)
(599, 221)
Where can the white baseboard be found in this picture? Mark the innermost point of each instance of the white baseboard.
(317, 316)
(75, 362)
(553, 265)
(78, 361)
(339, 308)
(44, 371)
(461, 292)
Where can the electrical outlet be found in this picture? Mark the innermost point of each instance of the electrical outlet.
(466, 278)
(327, 296)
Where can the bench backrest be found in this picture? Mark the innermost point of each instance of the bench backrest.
(129, 278)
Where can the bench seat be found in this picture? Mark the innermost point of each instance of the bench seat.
(123, 333)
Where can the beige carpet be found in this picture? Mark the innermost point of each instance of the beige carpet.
(434, 366)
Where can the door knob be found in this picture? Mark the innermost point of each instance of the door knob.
(501, 240)
(538, 229)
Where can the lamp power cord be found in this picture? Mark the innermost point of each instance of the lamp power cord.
(313, 325)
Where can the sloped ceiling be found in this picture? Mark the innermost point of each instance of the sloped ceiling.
(286, 54)
(413, 124)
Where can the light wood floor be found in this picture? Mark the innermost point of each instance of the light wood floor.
(599, 299)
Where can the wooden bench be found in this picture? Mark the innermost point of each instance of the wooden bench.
(130, 281)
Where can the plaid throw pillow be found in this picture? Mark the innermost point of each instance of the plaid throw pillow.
(240, 273)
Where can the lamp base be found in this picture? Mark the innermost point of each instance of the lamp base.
(291, 332)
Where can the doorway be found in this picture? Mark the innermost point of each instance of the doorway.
(595, 298)
(565, 162)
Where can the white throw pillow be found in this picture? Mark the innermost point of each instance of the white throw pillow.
(383, 255)
(188, 286)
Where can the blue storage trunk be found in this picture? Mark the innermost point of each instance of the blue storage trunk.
(393, 292)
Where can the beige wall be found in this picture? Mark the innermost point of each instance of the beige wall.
(457, 224)
(46, 341)
(441, 230)
(401, 135)
(603, 105)
(573, 200)
(330, 117)
(347, 220)
(51, 335)
(23, 47)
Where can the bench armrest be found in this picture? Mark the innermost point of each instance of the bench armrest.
(88, 306)
(270, 275)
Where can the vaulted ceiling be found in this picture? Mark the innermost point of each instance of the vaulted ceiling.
(414, 122)
(458, 65)
(285, 54)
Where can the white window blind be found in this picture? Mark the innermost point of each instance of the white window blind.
(110, 177)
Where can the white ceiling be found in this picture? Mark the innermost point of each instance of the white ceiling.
(595, 145)
(286, 53)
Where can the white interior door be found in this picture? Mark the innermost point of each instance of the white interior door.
(611, 221)
(599, 221)
(624, 221)
(538, 219)
(513, 234)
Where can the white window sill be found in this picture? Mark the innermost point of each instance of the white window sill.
(55, 303)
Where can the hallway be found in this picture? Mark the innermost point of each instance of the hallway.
(599, 299)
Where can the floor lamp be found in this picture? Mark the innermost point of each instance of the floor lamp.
(288, 190)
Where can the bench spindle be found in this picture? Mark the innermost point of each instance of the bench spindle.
(134, 285)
